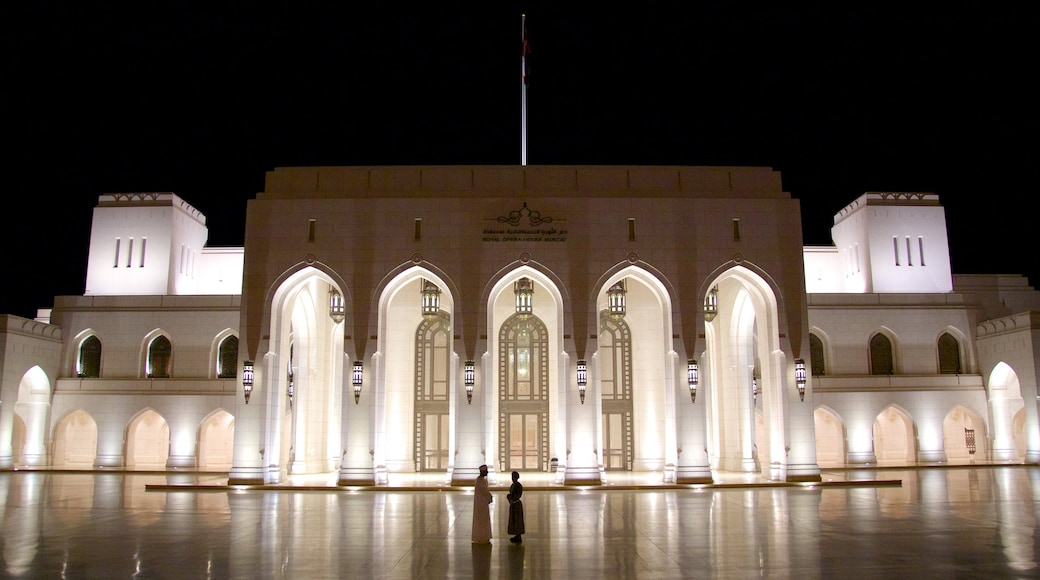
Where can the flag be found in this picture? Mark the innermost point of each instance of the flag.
(525, 52)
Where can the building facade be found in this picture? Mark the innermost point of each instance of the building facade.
(574, 319)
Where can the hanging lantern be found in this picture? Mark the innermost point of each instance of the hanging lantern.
(692, 378)
(754, 386)
(524, 291)
(431, 298)
(711, 304)
(469, 378)
(247, 379)
(799, 377)
(357, 378)
(583, 379)
(616, 300)
(337, 310)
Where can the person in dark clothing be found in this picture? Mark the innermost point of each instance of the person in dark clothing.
(516, 510)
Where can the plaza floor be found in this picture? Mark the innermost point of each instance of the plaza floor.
(953, 522)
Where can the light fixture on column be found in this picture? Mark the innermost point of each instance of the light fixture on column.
(290, 376)
(711, 304)
(692, 378)
(616, 300)
(291, 389)
(754, 386)
(470, 378)
(799, 377)
(337, 311)
(247, 379)
(583, 379)
(357, 378)
(524, 291)
(431, 298)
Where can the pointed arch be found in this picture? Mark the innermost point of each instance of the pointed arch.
(223, 354)
(415, 358)
(636, 353)
(548, 308)
(744, 338)
(216, 440)
(88, 363)
(819, 344)
(157, 355)
(948, 349)
(615, 387)
(433, 387)
(881, 349)
(147, 440)
(831, 444)
(523, 394)
(895, 437)
(74, 442)
(964, 436)
(79, 360)
(1018, 429)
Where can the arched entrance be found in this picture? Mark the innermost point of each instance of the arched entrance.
(147, 441)
(744, 355)
(830, 438)
(895, 437)
(306, 351)
(216, 441)
(75, 441)
(523, 396)
(964, 436)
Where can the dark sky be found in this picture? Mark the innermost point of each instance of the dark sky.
(840, 97)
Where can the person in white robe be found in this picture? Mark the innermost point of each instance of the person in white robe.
(482, 508)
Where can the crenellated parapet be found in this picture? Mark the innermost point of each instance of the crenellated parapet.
(887, 198)
(150, 198)
(10, 324)
(1015, 323)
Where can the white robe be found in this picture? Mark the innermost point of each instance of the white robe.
(481, 511)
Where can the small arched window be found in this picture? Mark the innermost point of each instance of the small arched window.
(816, 354)
(89, 364)
(881, 362)
(227, 358)
(159, 352)
(949, 355)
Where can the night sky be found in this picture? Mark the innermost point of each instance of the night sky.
(840, 97)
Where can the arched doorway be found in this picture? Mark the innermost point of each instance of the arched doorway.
(830, 438)
(216, 441)
(895, 437)
(75, 441)
(523, 402)
(147, 441)
(743, 354)
(964, 436)
(306, 351)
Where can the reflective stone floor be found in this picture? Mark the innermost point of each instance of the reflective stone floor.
(956, 522)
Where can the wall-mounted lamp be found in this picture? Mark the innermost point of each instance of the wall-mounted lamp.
(431, 298)
(470, 378)
(693, 376)
(524, 291)
(754, 386)
(291, 389)
(583, 379)
(711, 304)
(616, 301)
(799, 377)
(290, 376)
(337, 310)
(357, 378)
(247, 379)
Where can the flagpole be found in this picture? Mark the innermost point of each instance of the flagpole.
(523, 90)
